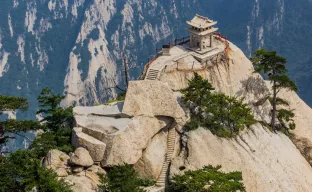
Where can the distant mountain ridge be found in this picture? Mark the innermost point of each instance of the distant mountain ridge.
(77, 46)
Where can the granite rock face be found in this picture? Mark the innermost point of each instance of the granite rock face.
(113, 110)
(127, 146)
(80, 179)
(81, 157)
(118, 133)
(96, 169)
(56, 159)
(137, 134)
(261, 156)
(150, 164)
(61, 172)
(95, 147)
(152, 98)
(81, 183)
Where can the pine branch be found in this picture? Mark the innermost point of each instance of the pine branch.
(15, 126)
(24, 136)
(11, 103)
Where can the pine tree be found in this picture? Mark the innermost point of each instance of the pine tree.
(223, 115)
(55, 116)
(274, 67)
(57, 122)
(208, 178)
(22, 170)
(14, 127)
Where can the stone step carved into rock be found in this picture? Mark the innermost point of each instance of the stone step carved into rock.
(161, 181)
(152, 74)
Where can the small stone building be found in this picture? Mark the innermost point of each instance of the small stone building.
(201, 31)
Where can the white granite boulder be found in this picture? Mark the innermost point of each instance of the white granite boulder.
(61, 172)
(112, 109)
(77, 169)
(96, 169)
(149, 107)
(152, 98)
(109, 125)
(127, 146)
(261, 156)
(81, 157)
(56, 159)
(150, 164)
(82, 183)
(95, 147)
(108, 118)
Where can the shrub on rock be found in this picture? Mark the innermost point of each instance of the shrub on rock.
(223, 115)
(208, 178)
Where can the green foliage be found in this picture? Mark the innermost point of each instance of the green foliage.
(15, 126)
(193, 124)
(21, 171)
(279, 101)
(123, 178)
(57, 121)
(284, 116)
(198, 91)
(13, 103)
(283, 81)
(121, 96)
(209, 179)
(223, 115)
(268, 62)
(52, 140)
(55, 116)
(286, 119)
(274, 67)
(11, 126)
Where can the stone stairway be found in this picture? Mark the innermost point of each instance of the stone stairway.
(152, 74)
(161, 181)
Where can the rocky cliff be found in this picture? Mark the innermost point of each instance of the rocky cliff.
(136, 131)
(77, 46)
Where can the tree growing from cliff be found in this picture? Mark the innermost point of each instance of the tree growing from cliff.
(223, 115)
(57, 122)
(11, 127)
(123, 178)
(208, 178)
(22, 170)
(274, 67)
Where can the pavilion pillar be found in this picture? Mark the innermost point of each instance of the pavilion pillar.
(201, 44)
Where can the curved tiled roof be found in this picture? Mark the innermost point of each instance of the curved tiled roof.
(201, 22)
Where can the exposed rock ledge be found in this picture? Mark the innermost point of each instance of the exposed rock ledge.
(134, 132)
(130, 131)
(268, 161)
